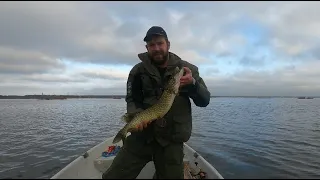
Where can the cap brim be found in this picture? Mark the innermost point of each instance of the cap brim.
(147, 38)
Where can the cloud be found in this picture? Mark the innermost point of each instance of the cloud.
(53, 78)
(71, 32)
(251, 61)
(286, 81)
(114, 90)
(293, 27)
(26, 62)
(210, 71)
(89, 47)
(105, 73)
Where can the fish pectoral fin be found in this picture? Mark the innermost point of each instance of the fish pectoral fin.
(127, 117)
(121, 135)
(177, 93)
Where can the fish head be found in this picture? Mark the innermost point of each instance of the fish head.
(174, 80)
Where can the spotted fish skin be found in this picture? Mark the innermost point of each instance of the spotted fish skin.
(158, 110)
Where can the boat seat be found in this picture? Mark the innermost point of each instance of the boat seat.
(103, 163)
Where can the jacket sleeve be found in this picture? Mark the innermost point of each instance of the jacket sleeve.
(199, 92)
(134, 96)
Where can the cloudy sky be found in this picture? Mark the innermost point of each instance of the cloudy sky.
(241, 48)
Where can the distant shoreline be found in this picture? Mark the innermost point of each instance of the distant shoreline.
(62, 97)
(51, 97)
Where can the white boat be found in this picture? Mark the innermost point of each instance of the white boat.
(92, 164)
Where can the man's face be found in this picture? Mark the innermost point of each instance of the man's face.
(158, 49)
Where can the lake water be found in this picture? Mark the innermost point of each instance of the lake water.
(240, 137)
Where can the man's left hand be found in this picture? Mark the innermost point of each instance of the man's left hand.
(187, 78)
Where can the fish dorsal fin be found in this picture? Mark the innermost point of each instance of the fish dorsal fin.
(127, 117)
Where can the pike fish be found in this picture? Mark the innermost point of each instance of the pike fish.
(154, 112)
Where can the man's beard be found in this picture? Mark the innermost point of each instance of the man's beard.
(156, 60)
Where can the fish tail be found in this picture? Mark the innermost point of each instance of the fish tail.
(121, 135)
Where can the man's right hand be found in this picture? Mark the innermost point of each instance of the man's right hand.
(142, 126)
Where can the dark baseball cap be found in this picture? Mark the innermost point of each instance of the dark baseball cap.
(155, 30)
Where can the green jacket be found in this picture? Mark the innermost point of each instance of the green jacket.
(144, 87)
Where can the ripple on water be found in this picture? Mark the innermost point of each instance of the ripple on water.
(241, 137)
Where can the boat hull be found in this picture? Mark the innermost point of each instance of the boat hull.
(91, 164)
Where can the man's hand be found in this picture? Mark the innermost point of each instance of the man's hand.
(187, 78)
(143, 125)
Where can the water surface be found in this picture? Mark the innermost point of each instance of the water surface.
(241, 137)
